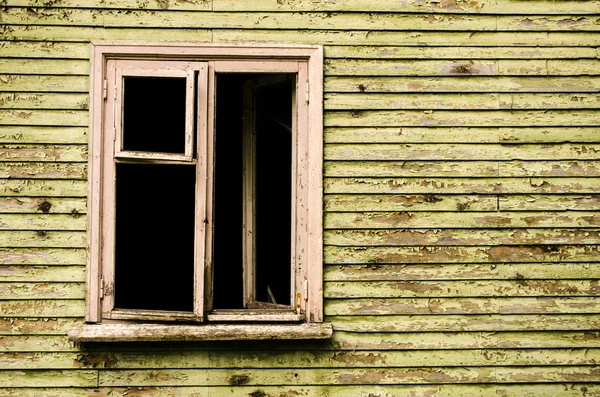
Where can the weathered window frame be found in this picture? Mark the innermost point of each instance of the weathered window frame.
(209, 59)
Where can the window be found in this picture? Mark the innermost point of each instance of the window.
(205, 201)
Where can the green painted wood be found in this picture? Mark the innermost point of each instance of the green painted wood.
(44, 49)
(38, 328)
(299, 359)
(35, 100)
(445, 390)
(503, 67)
(460, 323)
(461, 271)
(42, 256)
(460, 134)
(460, 185)
(446, 306)
(449, 168)
(43, 238)
(460, 254)
(490, 51)
(402, 202)
(33, 134)
(443, 340)
(448, 118)
(43, 308)
(36, 273)
(68, 118)
(31, 291)
(79, 378)
(376, 101)
(348, 376)
(42, 222)
(24, 170)
(36, 83)
(455, 289)
(52, 205)
(492, 84)
(51, 153)
(45, 66)
(42, 188)
(543, 203)
(452, 237)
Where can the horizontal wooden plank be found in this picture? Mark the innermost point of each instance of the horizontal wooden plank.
(484, 6)
(434, 306)
(43, 308)
(42, 222)
(195, 5)
(405, 168)
(42, 205)
(51, 274)
(49, 152)
(590, 84)
(348, 376)
(24, 170)
(491, 51)
(545, 203)
(446, 118)
(83, 34)
(74, 378)
(34, 100)
(502, 67)
(437, 390)
(462, 288)
(32, 135)
(34, 83)
(45, 290)
(44, 66)
(400, 202)
(443, 340)
(487, 101)
(436, 186)
(294, 359)
(469, 271)
(42, 188)
(43, 238)
(463, 237)
(68, 118)
(449, 168)
(460, 134)
(296, 20)
(460, 254)
(42, 256)
(335, 37)
(475, 220)
(49, 49)
(46, 329)
(33, 343)
(460, 323)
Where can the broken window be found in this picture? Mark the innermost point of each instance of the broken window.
(201, 189)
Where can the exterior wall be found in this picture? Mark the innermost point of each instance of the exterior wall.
(462, 147)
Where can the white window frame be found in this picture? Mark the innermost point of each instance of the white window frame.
(181, 59)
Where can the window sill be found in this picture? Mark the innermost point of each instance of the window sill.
(211, 332)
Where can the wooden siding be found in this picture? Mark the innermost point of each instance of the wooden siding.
(462, 200)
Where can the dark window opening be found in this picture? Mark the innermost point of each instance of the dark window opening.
(154, 237)
(154, 110)
(272, 194)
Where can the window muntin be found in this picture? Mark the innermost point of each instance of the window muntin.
(203, 82)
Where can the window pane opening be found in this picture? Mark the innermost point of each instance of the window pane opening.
(154, 114)
(154, 237)
(271, 180)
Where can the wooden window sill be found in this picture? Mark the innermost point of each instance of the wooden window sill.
(210, 332)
